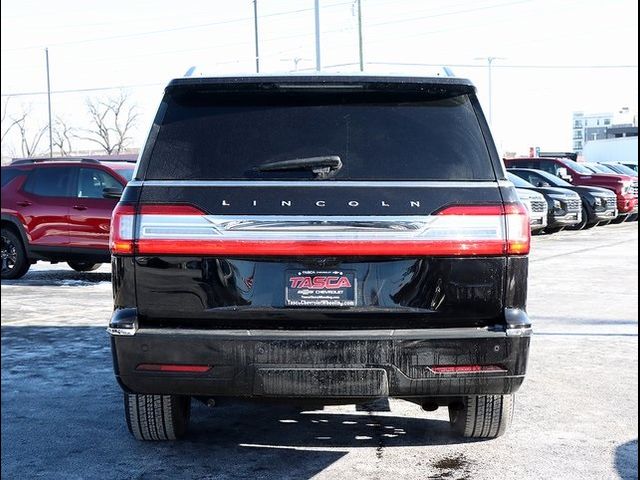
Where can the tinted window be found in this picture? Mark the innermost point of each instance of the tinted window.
(576, 167)
(92, 181)
(548, 166)
(623, 169)
(517, 181)
(50, 181)
(9, 174)
(126, 173)
(536, 177)
(210, 137)
(597, 168)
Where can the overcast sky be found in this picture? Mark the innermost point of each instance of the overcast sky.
(142, 44)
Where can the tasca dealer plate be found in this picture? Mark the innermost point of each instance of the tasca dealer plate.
(313, 288)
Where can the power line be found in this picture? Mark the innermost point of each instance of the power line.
(81, 90)
(475, 65)
(446, 14)
(166, 30)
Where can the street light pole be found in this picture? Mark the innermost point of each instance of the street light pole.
(46, 55)
(317, 19)
(255, 28)
(490, 61)
(360, 47)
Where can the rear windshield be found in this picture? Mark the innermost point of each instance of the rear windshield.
(211, 137)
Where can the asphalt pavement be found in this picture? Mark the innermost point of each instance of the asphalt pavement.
(576, 414)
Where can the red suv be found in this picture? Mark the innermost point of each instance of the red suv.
(625, 187)
(59, 210)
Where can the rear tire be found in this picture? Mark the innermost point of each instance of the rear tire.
(14, 258)
(482, 416)
(84, 266)
(157, 417)
(620, 219)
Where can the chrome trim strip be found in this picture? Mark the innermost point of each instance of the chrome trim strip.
(519, 332)
(121, 332)
(298, 227)
(314, 183)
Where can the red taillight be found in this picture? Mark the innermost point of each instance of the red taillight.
(518, 229)
(457, 369)
(169, 210)
(461, 230)
(516, 216)
(121, 236)
(465, 210)
(173, 368)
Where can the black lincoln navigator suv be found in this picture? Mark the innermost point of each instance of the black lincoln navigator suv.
(334, 238)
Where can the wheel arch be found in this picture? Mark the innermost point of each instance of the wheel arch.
(11, 222)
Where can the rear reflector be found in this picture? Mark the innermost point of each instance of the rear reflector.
(173, 368)
(456, 369)
(455, 231)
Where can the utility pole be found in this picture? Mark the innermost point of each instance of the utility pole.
(360, 49)
(46, 55)
(255, 28)
(490, 61)
(317, 18)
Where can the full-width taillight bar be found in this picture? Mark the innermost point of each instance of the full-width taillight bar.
(458, 230)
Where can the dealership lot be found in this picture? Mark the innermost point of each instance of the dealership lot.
(576, 414)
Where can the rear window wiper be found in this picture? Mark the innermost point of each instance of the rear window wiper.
(322, 167)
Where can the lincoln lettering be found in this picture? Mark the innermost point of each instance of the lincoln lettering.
(323, 203)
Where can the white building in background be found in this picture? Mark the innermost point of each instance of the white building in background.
(588, 127)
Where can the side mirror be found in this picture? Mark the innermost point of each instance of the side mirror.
(563, 173)
(112, 192)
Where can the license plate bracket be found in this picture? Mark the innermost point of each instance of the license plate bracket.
(320, 288)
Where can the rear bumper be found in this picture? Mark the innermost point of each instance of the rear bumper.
(322, 364)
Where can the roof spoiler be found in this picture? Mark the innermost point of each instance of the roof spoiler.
(570, 155)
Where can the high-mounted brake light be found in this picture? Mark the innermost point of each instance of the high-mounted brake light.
(460, 230)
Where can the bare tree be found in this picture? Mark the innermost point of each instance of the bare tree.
(8, 123)
(29, 138)
(62, 135)
(112, 120)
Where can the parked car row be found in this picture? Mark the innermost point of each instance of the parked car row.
(578, 195)
(60, 211)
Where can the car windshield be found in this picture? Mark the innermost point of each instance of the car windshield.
(126, 173)
(552, 180)
(518, 182)
(620, 168)
(581, 169)
(597, 168)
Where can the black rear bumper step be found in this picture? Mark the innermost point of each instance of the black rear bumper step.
(326, 364)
